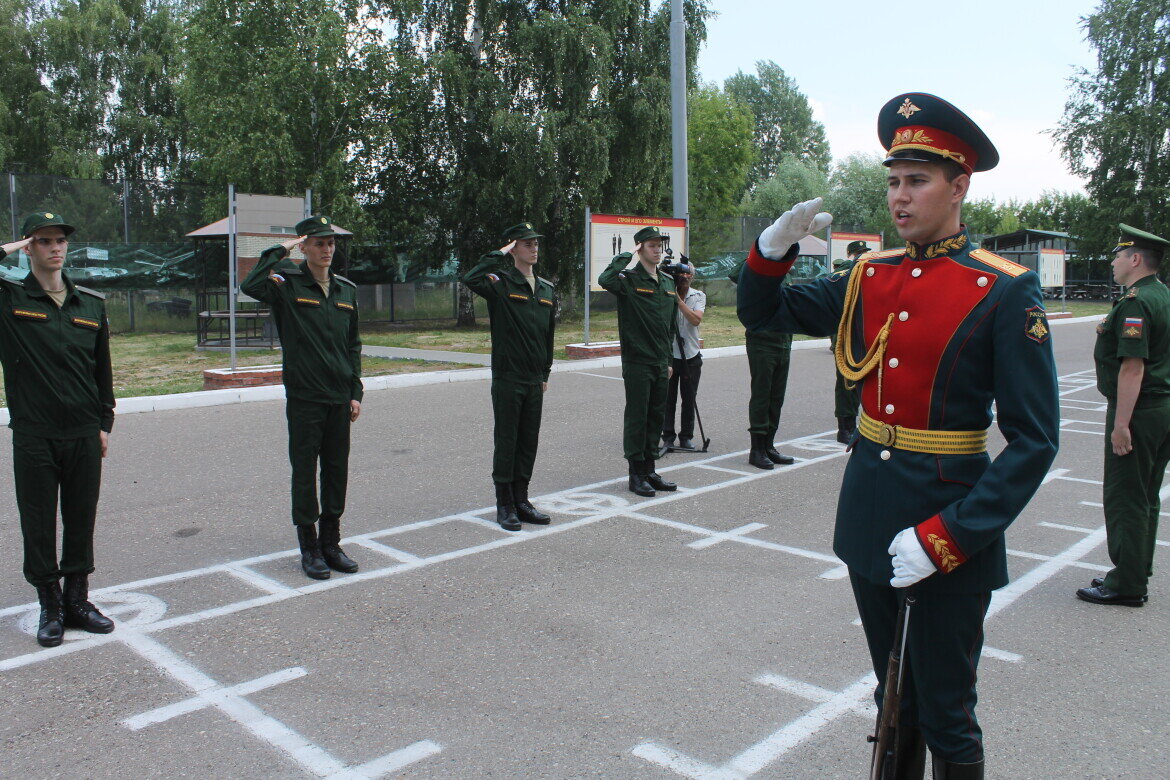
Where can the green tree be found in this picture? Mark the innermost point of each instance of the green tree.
(23, 97)
(721, 152)
(795, 180)
(1116, 125)
(857, 196)
(784, 124)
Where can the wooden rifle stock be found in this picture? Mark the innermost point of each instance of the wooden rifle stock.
(882, 765)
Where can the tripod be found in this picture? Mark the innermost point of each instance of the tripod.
(683, 380)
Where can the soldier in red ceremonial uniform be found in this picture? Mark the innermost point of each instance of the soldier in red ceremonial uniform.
(934, 333)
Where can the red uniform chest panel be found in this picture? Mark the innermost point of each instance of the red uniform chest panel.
(928, 308)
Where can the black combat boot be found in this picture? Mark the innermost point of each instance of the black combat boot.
(79, 612)
(506, 507)
(335, 557)
(941, 769)
(524, 508)
(312, 562)
(845, 428)
(656, 481)
(51, 628)
(773, 455)
(757, 457)
(638, 483)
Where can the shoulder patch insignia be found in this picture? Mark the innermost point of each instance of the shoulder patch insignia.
(998, 263)
(343, 280)
(1132, 292)
(1036, 324)
(1132, 328)
(493, 277)
(276, 278)
(885, 253)
(87, 291)
(30, 314)
(86, 322)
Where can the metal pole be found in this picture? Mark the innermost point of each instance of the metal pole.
(588, 263)
(12, 205)
(308, 203)
(678, 107)
(125, 211)
(232, 273)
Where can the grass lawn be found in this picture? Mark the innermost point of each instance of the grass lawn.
(164, 363)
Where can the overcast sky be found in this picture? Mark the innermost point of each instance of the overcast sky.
(1006, 63)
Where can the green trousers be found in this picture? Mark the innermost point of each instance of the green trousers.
(517, 407)
(646, 388)
(44, 470)
(845, 400)
(1130, 495)
(318, 433)
(769, 371)
(943, 644)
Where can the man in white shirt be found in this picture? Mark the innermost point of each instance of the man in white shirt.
(691, 303)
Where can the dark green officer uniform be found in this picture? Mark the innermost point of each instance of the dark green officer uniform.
(60, 387)
(646, 306)
(522, 326)
(322, 367)
(1138, 326)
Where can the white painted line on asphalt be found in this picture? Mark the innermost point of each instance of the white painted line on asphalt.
(209, 697)
(1078, 430)
(813, 693)
(601, 376)
(1001, 655)
(391, 762)
(1038, 557)
(1069, 421)
(726, 536)
(727, 471)
(1065, 527)
(391, 552)
(1099, 505)
(257, 580)
(1053, 474)
(706, 532)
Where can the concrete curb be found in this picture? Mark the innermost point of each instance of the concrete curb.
(160, 403)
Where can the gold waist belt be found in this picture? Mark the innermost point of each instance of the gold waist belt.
(918, 440)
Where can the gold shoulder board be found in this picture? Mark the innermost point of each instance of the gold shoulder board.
(887, 253)
(998, 263)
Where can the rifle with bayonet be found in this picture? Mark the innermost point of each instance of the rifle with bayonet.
(883, 765)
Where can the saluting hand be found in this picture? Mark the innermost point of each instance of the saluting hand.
(801, 220)
(15, 246)
(293, 243)
(506, 249)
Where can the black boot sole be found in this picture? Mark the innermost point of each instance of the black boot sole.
(90, 629)
(761, 463)
(55, 642)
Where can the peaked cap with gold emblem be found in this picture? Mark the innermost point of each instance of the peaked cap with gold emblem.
(520, 232)
(316, 226)
(1133, 238)
(43, 219)
(925, 128)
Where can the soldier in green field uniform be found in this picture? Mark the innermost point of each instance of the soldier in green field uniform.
(768, 354)
(521, 308)
(1133, 373)
(315, 312)
(846, 399)
(646, 306)
(55, 348)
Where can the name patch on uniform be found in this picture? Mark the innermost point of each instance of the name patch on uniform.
(344, 305)
(309, 301)
(545, 301)
(30, 315)
(85, 322)
(1036, 324)
(647, 290)
(1132, 328)
(517, 297)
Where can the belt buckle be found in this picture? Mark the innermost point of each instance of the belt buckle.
(887, 435)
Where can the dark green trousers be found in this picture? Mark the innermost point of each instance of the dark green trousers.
(517, 407)
(1130, 495)
(646, 388)
(845, 400)
(318, 433)
(943, 645)
(769, 371)
(46, 469)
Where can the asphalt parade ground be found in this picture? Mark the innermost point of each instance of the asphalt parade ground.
(708, 633)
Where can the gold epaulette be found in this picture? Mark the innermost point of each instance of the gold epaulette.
(998, 263)
(886, 253)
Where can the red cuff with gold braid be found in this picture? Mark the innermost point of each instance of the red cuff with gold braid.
(944, 552)
(765, 267)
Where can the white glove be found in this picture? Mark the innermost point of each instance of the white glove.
(911, 563)
(801, 220)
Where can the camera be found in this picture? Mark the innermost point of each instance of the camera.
(669, 267)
